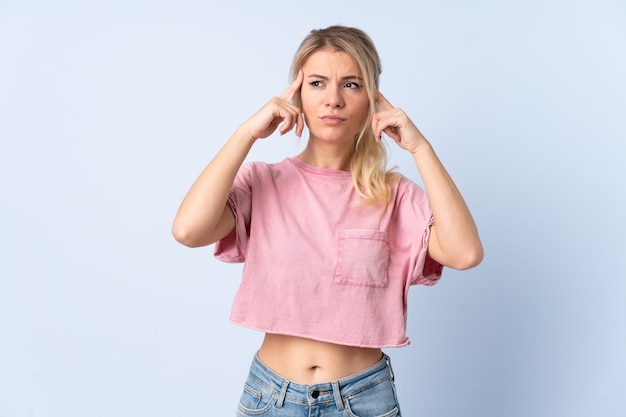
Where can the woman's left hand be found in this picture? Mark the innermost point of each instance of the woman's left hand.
(454, 239)
(397, 125)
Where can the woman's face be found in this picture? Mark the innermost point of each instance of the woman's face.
(333, 96)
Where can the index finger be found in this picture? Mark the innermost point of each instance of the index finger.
(294, 87)
(383, 102)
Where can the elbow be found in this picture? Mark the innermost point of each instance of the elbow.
(184, 235)
(458, 254)
(470, 258)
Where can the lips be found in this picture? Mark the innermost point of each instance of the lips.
(332, 119)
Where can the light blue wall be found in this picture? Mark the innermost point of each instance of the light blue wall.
(108, 111)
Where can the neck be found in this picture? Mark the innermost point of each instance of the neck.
(327, 155)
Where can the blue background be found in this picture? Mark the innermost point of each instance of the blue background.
(109, 110)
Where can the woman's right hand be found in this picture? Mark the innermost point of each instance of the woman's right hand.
(278, 110)
(203, 216)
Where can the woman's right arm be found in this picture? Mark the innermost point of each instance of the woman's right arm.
(203, 216)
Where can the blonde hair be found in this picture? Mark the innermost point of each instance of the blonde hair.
(368, 163)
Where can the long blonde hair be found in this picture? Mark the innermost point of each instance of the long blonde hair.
(368, 163)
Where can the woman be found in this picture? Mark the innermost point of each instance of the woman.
(331, 239)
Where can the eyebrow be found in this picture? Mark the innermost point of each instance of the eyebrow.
(346, 78)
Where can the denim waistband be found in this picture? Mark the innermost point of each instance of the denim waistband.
(323, 392)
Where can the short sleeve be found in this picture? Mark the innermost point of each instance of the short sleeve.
(415, 217)
(428, 271)
(232, 248)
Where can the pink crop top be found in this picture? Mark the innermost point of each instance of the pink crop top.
(320, 264)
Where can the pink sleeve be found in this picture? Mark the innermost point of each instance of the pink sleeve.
(232, 248)
(416, 216)
(428, 271)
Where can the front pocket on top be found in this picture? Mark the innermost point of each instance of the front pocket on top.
(363, 258)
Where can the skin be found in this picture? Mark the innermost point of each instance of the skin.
(334, 107)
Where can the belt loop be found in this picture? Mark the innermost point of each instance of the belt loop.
(388, 359)
(337, 394)
(283, 393)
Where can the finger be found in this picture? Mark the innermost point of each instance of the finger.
(380, 122)
(386, 122)
(299, 125)
(288, 122)
(376, 128)
(294, 87)
(292, 119)
(383, 102)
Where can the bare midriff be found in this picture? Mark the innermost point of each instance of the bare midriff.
(308, 362)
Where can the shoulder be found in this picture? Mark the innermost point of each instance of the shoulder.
(408, 195)
(261, 170)
(406, 186)
(266, 166)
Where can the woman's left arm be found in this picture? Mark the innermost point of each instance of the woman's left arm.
(454, 240)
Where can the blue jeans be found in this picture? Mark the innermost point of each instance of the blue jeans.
(369, 393)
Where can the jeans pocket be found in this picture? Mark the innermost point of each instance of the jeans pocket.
(254, 402)
(363, 258)
(379, 400)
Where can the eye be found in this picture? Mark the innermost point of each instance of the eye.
(352, 84)
(316, 83)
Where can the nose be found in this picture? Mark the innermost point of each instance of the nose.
(334, 97)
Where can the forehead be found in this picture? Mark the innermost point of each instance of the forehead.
(328, 62)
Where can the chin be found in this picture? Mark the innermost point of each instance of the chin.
(332, 135)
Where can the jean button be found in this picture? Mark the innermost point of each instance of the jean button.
(315, 394)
